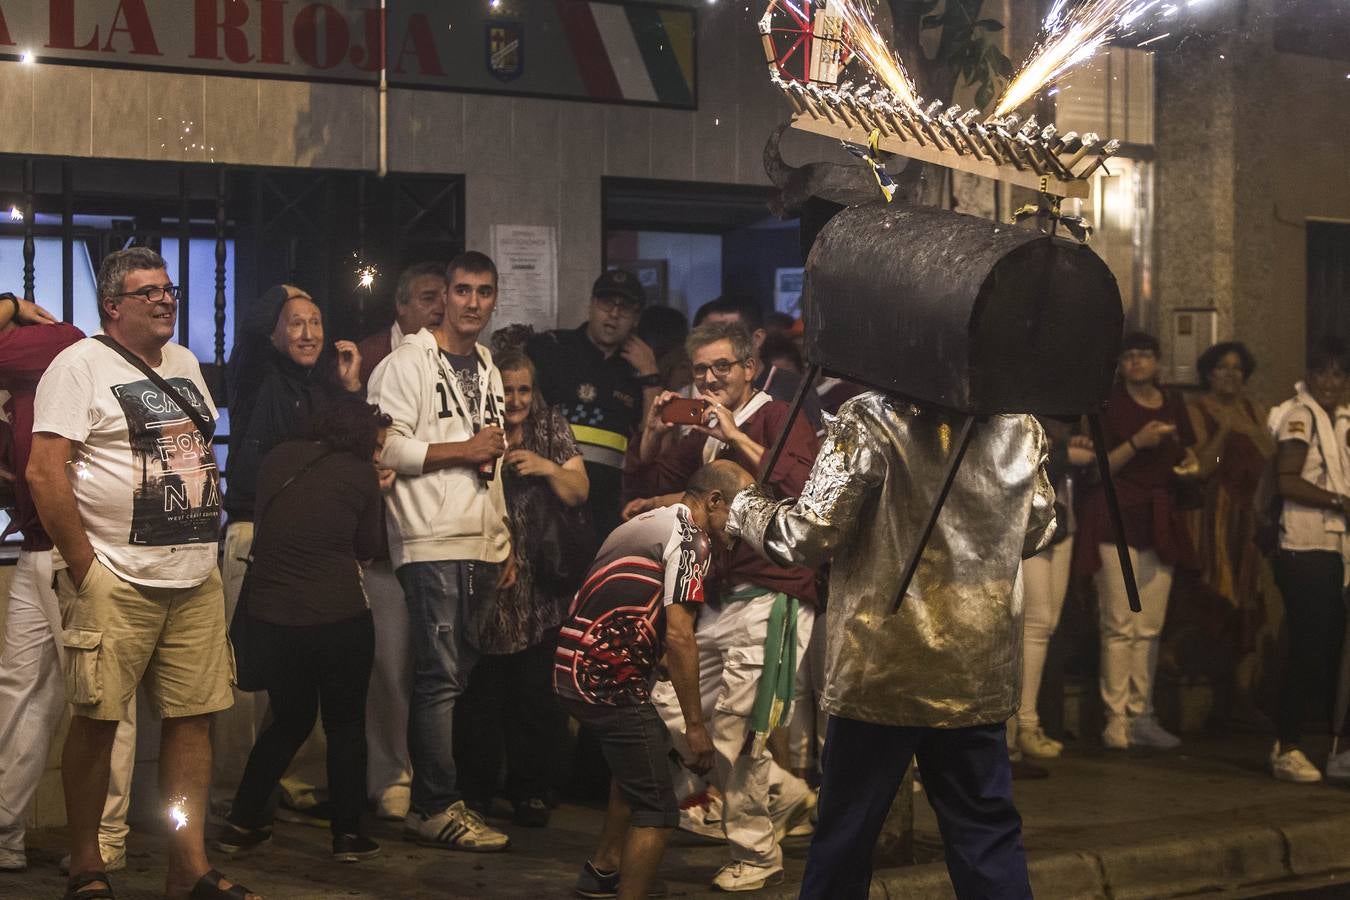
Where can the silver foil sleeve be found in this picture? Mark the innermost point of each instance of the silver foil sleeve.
(808, 531)
(1041, 522)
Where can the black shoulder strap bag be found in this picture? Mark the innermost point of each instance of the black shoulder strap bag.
(252, 657)
(204, 425)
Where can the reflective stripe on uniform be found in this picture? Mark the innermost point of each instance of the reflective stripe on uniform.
(599, 437)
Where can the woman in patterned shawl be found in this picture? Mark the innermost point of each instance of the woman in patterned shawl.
(509, 701)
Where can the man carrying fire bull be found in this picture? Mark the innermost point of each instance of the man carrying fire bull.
(937, 679)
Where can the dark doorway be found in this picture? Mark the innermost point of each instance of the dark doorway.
(693, 242)
(1328, 280)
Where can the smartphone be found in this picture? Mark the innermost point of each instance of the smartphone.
(683, 411)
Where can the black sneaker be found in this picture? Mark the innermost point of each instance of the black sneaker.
(233, 839)
(594, 883)
(320, 815)
(350, 848)
(532, 813)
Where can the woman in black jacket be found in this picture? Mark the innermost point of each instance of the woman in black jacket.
(318, 514)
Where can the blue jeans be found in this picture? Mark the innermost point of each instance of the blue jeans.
(444, 599)
(967, 780)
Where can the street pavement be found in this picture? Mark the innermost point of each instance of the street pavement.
(1206, 820)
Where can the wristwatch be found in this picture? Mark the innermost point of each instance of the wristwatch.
(9, 295)
(652, 380)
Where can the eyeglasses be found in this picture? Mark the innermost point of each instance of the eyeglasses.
(721, 368)
(614, 303)
(154, 293)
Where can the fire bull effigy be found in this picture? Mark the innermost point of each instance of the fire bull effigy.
(948, 309)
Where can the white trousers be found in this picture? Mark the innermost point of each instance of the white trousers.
(806, 731)
(390, 683)
(1045, 580)
(33, 701)
(234, 730)
(731, 660)
(1130, 640)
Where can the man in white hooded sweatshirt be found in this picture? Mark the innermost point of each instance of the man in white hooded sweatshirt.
(447, 531)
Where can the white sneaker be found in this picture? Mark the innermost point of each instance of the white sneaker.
(1338, 766)
(1292, 765)
(1146, 732)
(1116, 734)
(13, 860)
(457, 828)
(114, 859)
(392, 805)
(744, 876)
(704, 818)
(1034, 742)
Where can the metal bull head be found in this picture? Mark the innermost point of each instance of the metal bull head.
(962, 312)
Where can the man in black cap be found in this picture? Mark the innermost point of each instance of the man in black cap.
(601, 377)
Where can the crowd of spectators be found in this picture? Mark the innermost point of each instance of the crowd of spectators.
(445, 542)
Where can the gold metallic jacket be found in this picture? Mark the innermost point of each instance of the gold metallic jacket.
(952, 655)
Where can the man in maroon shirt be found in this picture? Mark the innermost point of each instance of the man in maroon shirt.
(749, 637)
(32, 696)
(419, 302)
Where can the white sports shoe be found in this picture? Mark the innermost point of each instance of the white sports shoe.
(457, 828)
(1146, 732)
(13, 860)
(114, 859)
(1034, 743)
(1116, 734)
(744, 876)
(1292, 765)
(392, 805)
(1338, 766)
(704, 818)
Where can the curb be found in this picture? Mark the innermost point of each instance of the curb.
(1206, 861)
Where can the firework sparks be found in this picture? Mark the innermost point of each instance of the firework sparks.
(872, 48)
(366, 275)
(178, 813)
(1073, 32)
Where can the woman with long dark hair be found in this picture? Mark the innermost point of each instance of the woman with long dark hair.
(318, 515)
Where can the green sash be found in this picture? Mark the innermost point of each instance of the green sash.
(773, 698)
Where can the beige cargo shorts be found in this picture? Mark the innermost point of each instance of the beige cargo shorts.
(118, 635)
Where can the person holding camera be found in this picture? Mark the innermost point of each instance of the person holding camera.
(759, 616)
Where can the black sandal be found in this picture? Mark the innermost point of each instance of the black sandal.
(208, 888)
(84, 879)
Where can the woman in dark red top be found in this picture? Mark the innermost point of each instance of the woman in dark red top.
(1148, 434)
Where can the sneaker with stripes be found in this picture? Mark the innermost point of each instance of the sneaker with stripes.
(457, 828)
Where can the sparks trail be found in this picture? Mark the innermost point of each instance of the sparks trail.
(868, 44)
(1073, 32)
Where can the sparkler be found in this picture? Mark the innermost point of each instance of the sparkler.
(868, 44)
(887, 115)
(1073, 32)
(177, 813)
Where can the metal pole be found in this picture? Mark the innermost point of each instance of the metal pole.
(220, 270)
(67, 242)
(29, 247)
(1113, 509)
(184, 252)
(948, 478)
(808, 382)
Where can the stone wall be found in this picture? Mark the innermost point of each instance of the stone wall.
(1251, 145)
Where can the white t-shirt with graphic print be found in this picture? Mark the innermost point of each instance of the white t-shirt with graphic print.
(145, 481)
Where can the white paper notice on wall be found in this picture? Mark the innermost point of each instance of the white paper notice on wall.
(527, 274)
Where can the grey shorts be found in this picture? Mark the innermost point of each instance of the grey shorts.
(637, 747)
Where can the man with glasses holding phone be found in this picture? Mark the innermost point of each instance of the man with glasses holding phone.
(125, 482)
(758, 615)
(601, 377)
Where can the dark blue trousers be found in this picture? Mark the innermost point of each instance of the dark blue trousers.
(968, 781)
